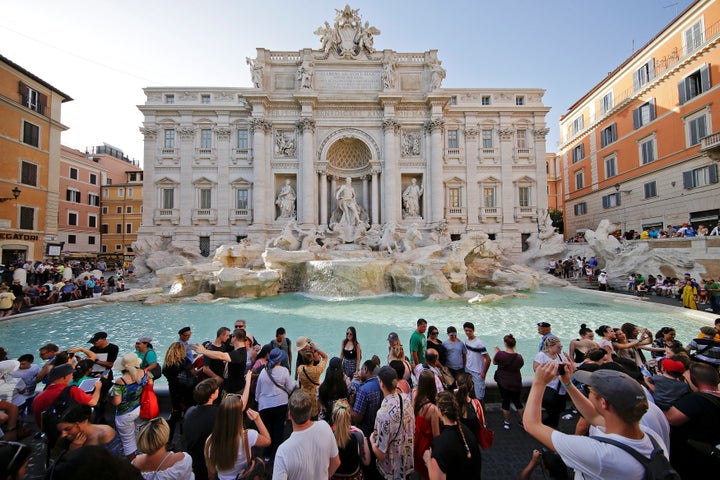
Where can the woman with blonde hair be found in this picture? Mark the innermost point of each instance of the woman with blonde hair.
(181, 378)
(398, 353)
(555, 395)
(352, 444)
(156, 463)
(226, 447)
(125, 396)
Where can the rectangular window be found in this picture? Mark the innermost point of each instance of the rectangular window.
(27, 218)
(205, 99)
(206, 138)
(91, 239)
(104, 210)
(242, 199)
(104, 228)
(129, 192)
(128, 209)
(28, 174)
(579, 180)
(611, 200)
(121, 192)
(33, 99)
(694, 84)
(73, 173)
(93, 179)
(607, 102)
(524, 197)
(31, 134)
(242, 139)
(700, 177)
(72, 239)
(128, 228)
(521, 137)
(204, 244)
(519, 100)
(118, 209)
(644, 114)
(485, 100)
(647, 151)
(644, 74)
(205, 198)
(489, 195)
(170, 99)
(92, 221)
(696, 129)
(72, 218)
(487, 138)
(578, 153)
(93, 199)
(608, 135)
(168, 197)
(610, 167)
(577, 125)
(103, 249)
(650, 189)
(118, 228)
(693, 37)
(169, 138)
(580, 208)
(454, 198)
(72, 195)
(118, 247)
(106, 192)
(452, 139)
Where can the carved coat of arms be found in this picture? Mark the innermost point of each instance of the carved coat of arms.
(348, 37)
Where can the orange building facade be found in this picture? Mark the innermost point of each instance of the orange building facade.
(30, 128)
(555, 182)
(638, 148)
(122, 206)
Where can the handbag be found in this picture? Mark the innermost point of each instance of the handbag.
(485, 436)
(187, 379)
(156, 372)
(256, 469)
(149, 407)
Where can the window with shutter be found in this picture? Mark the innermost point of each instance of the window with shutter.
(27, 218)
(31, 134)
(28, 174)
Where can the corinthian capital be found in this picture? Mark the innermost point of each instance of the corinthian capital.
(390, 125)
(260, 124)
(471, 132)
(306, 124)
(149, 133)
(437, 124)
(541, 133)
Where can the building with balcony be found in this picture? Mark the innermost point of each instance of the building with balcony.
(216, 159)
(79, 208)
(640, 148)
(122, 209)
(30, 128)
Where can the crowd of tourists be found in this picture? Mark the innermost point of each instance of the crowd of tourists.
(25, 284)
(242, 408)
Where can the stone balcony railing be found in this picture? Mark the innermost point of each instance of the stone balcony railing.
(487, 213)
(204, 153)
(171, 215)
(206, 214)
(525, 212)
(168, 152)
(240, 214)
(455, 212)
(711, 146)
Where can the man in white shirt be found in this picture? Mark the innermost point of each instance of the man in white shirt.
(311, 450)
(478, 360)
(615, 405)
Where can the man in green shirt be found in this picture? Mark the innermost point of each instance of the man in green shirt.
(713, 287)
(418, 343)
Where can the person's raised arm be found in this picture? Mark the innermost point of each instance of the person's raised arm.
(211, 354)
(581, 402)
(532, 419)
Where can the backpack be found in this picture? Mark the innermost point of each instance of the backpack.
(657, 467)
(50, 417)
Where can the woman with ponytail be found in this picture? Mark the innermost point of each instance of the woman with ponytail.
(352, 444)
(455, 452)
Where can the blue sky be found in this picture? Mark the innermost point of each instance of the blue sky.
(102, 53)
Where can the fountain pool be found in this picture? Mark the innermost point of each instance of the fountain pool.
(326, 321)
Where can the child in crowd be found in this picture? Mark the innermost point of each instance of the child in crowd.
(668, 386)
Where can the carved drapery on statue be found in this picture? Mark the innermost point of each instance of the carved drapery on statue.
(348, 37)
(349, 219)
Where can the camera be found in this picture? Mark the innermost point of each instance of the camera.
(561, 369)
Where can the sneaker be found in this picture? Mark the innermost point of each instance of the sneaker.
(506, 425)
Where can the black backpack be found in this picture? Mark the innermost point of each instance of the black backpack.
(657, 467)
(52, 415)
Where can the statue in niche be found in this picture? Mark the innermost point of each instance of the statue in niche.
(437, 75)
(411, 145)
(286, 201)
(347, 204)
(256, 71)
(412, 235)
(305, 75)
(284, 144)
(411, 199)
(388, 75)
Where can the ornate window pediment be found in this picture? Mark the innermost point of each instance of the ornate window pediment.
(203, 182)
(454, 182)
(524, 181)
(167, 182)
(241, 183)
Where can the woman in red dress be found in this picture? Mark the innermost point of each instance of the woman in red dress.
(427, 419)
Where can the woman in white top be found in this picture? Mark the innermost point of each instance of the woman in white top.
(273, 389)
(156, 463)
(607, 335)
(225, 449)
(555, 395)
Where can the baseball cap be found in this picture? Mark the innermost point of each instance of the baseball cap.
(183, 330)
(60, 371)
(393, 337)
(618, 388)
(97, 336)
(543, 324)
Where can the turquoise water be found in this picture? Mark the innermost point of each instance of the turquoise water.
(326, 321)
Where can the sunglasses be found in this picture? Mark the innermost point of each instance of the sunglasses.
(452, 334)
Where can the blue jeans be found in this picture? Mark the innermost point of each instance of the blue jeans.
(479, 384)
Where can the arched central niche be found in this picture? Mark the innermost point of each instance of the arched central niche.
(348, 157)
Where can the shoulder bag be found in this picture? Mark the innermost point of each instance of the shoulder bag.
(149, 407)
(256, 469)
(485, 436)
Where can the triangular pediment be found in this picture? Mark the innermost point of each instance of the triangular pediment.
(240, 182)
(166, 181)
(204, 182)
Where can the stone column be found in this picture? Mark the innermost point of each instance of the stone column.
(185, 201)
(323, 200)
(473, 190)
(307, 206)
(539, 135)
(437, 197)
(391, 173)
(366, 198)
(508, 186)
(375, 199)
(260, 127)
(224, 202)
(150, 193)
(333, 189)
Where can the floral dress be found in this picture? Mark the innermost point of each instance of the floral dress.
(394, 436)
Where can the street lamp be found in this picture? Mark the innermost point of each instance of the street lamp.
(16, 193)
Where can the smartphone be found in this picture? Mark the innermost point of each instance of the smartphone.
(561, 369)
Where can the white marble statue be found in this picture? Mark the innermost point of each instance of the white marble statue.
(347, 203)
(305, 75)
(256, 71)
(411, 199)
(438, 75)
(286, 201)
(412, 235)
(388, 75)
(390, 237)
(287, 240)
(284, 144)
(365, 37)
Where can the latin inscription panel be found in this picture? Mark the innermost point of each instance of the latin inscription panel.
(343, 80)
